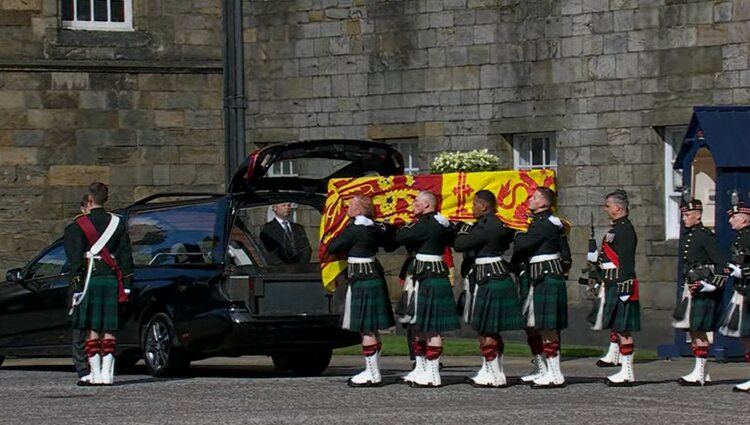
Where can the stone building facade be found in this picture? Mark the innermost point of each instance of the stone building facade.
(599, 89)
(138, 109)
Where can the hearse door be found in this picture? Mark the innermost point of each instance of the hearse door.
(34, 311)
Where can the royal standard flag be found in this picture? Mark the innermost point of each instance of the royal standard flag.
(392, 197)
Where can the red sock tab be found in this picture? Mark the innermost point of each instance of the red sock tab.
(490, 352)
(369, 350)
(109, 346)
(700, 352)
(92, 347)
(747, 356)
(551, 349)
(613, 337)
(420, 347)
(433, 353)
(536, 345)
(627, 349)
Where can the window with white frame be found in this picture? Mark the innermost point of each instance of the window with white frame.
(673, 137)
(283, 169)
(409, 149)
(99, 15)
(537, 150)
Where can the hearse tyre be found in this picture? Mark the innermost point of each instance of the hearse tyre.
(161, 353)
(310, 363)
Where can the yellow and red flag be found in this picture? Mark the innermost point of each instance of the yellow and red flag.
(393, 196)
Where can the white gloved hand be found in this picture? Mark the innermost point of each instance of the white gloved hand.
(736, 270)
(127, 291)
(592, 257)
(624, 297)
(707, 287)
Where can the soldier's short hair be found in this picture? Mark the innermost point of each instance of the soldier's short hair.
(429, 196)
(368, 210)
(549, 195)
(619, 197)
(98, 192)
(488, 198)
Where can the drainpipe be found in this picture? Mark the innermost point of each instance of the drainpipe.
(234, 88)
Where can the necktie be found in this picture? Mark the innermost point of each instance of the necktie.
(289, 238)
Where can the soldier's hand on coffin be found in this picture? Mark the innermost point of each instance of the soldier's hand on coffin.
(592, 257)
(736, 270)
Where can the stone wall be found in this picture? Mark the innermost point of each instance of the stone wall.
(139, 110)
(604, 75)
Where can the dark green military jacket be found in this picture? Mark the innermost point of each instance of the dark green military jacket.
(700, 247)
(425, 235)
(488, 237)
(621, 238)
(741, 251)
(76, 245)
(543, 237)
(357, 240)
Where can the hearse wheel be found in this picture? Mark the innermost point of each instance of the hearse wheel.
(163, 357)
(310, 363)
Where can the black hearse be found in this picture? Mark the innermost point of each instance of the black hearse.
(204, 284)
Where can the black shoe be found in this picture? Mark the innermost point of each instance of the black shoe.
(619, 384)
(84, 384)
(364, 385)
(685, 383)
(601, 363)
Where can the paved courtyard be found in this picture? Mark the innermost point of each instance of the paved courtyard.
(248, 390)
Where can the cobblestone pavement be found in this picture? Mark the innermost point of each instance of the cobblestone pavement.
(248, 390)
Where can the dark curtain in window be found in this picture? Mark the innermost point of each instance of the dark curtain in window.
(100, 10)
(118, 11)
(84, 10)
(67, 10)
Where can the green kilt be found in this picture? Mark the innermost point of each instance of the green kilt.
(370, 309)
(436, 308)
(98, 310)
(620, 316)
(705, 312)
(550, 303)
(497, 307)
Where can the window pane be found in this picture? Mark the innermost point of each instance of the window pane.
(552, 151)
(51, 263)
(524, 153)
(100, 10)
(118, 11)
(84, 10)
(67, 10)
(174, 236)
(537, 147)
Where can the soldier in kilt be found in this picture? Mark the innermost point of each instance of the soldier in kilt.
(620, 310)
(495, 306)
(368, 305)
(546, 304)
(433, 304)
(736, 320)
(104, 274)
(699, 310)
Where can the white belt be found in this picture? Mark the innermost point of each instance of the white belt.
(544, 257)
(427, 257)
(487, 260)
(608, 266)
(360, 260)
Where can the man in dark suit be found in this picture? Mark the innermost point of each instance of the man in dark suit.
(284, 241)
